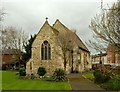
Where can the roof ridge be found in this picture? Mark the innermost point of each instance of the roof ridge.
(46, 22)
(61, 24)
(54, 30)
(78, 40)
(81, 40)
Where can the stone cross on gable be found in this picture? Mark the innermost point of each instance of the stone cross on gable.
(46, 18)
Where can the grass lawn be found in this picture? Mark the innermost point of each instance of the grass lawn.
(89, 75)
(11, 81)
(0, 80)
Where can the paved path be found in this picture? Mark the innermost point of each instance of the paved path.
(78, 82)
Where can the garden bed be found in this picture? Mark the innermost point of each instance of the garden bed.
(111, 85)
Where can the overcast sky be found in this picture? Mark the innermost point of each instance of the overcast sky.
(31, 14)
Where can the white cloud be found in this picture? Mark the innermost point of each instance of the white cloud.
(31, 14)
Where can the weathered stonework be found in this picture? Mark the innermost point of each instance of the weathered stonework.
(48, 33)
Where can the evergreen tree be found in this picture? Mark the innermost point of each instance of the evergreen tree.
(27, 55)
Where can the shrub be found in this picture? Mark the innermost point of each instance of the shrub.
(106, 78)
(49, 78)
(99, 78)
(3, 67)
(113, 85)
(22, 72)
(41, 71)
(103, 76)
(59, 75)
(108, 74)
(116, 84)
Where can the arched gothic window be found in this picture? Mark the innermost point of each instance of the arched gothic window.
(45, 51)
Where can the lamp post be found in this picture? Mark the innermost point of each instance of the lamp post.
(100, 58)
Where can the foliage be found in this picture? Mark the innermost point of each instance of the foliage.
(110, 80)
(27, 55)
(99, 78)
(50, 78)
(3, 67)
(113, 85)
(108, 74)
(59, 75)
(104, 75)
(22, 72)
(41, 71)
(117, 77)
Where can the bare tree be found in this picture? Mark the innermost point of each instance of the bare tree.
(15, 39)
(66, 44)
(106, 28)
(2, 14)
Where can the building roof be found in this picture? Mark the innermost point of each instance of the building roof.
(59, 29)
(47, 24)
(98, 55)
(63, 29)
(9, 51)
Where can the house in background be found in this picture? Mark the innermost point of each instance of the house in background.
(113, 55)
(9, 58)
(110, 58)
(98, 59)
(47, 51)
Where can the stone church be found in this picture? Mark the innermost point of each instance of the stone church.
(55, 45)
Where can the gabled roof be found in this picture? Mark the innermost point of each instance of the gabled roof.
(47, 24)
(63, 29)
(98, 55)
(59, 28)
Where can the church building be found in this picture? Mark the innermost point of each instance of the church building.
(58, 47)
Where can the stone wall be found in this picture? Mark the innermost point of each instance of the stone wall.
(45, 34)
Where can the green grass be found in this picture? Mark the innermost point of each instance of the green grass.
(11, 81)
(89, 75)
(0, 80)
(112, 84)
